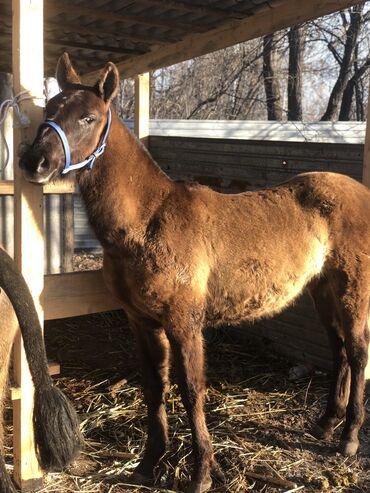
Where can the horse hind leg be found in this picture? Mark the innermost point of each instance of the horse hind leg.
(327, 310)
(355, 324)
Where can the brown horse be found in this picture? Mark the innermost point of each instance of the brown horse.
(179, 256)
(56, 426)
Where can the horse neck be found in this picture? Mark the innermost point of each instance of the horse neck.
(125, 187)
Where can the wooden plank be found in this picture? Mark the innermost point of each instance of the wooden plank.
(28, 74)
(119, 35)
(16, 392)
(54, 7)
(77, 293)
(142, 107)
(55, 187)
(199, 9)
(68, 237)
(285, 14)
(6, 187)
(366, 165)
(112, 31)
(61, 186)
(68, 42)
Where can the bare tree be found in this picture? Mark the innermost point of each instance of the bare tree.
(353, 88)
(352, 29)
(296, 38)
(268, 75)
(271, 83)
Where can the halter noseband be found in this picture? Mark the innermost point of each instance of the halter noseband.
(90, 161)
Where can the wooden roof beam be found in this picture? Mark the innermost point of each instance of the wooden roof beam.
(70, 27)
(54, 7)
(49, 40)
(92, 47)
(282, 14)
(199, 9)
(85, 46)
(85, 59)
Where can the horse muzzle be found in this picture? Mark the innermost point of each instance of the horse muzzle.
(36, 169)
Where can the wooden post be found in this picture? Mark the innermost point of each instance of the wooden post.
(366, 166)
(142, 107)
(366, 181)
(7, 202)
(28, 72)
(52, 210)
(68, 237)
(53, 234)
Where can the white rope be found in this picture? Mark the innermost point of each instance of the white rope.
(21, 120)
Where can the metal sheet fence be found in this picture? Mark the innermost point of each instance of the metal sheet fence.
(234, 165)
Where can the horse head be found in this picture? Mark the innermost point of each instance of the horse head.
(76, 122)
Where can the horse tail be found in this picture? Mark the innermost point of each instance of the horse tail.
(56, 425)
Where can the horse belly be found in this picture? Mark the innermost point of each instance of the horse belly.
(261, 289)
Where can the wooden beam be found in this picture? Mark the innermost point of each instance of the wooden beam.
(54, 7)
(91, 28)
(77, 293)
(199, 9)
(89, 46)
(16, 392)
(55, 187)
(282, 14)
(28, 72)
(366, 181)
(142, 107)
(118, 34)
(366, 165)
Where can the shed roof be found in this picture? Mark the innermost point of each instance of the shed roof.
(142, 35)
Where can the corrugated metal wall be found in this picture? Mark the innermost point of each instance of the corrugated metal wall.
(228, 154)
(236, 165)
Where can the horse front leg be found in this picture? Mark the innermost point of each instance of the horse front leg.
(185, 336)
(153, 349)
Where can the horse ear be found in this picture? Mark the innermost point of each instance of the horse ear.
(65, 73)
(108, 83)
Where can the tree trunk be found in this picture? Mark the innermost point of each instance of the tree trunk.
(347, 99)
(352, 32)
(296, 48)
(272, 88)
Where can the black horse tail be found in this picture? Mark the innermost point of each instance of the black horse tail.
(56, 425)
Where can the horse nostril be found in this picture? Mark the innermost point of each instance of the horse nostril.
(42, 165)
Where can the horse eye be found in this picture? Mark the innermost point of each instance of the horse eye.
(88, 119)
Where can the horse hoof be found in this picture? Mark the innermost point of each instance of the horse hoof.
(349, 447)
(200, 486)
(321, 433)
(141, 479)
(217, 474)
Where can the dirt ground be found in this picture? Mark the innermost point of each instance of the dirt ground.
(259, 420)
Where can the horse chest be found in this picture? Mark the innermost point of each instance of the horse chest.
(138, 282)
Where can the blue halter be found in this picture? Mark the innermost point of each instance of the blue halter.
(90, 161)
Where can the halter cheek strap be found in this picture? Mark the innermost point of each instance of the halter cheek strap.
(90, 161)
